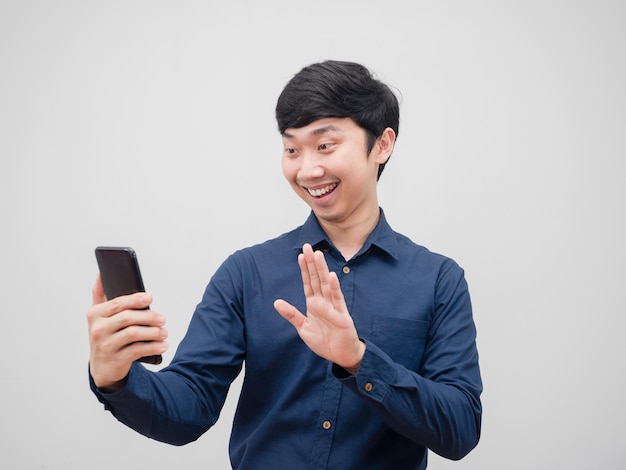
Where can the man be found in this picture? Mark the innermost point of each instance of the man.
(379, 362)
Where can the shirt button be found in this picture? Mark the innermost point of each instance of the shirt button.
(346, 269)
(368, 387)
(326, 425)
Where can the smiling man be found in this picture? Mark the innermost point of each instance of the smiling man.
(328, 166)
(377, 360)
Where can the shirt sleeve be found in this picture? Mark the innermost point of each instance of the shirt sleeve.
(439, 405)
(145, 404)
(180, 402)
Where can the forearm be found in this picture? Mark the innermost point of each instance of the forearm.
(162, 405)
(442, 416)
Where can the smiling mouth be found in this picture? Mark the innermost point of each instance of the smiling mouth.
(322, 191)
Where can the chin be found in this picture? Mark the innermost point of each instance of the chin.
(327, 215)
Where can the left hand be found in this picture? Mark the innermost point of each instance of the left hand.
(327, 328)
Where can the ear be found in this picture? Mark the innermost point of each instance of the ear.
(384, 146)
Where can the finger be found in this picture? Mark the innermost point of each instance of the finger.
(111, 360)
(336, 294)
(290, 313)
(111, 334)
(321, 268)
(313, 275)
(108, 339)
(306, 280)
(139, 333)
(139, 349)
(136, 301)
(128, 318)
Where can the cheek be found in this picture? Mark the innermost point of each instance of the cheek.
(289, 170)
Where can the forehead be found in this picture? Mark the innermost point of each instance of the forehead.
(322, 127)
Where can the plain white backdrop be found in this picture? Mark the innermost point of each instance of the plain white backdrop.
(150, 124)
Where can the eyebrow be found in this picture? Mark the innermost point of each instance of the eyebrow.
(316, 131)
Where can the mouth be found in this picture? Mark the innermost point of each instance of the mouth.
(319, 192)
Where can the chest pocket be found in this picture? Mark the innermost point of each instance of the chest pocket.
(403, 340)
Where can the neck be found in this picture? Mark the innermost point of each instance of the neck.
(349, 237)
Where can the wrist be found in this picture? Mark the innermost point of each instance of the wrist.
(113, 387)
(354, 369)
(106, 385)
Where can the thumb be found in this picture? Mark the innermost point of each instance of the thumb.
(97, 291)
(289, 313)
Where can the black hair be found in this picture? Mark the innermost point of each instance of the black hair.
(343, 90)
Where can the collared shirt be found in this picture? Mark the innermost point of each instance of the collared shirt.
(418, 385)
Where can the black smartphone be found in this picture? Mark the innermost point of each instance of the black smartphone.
(120, 274)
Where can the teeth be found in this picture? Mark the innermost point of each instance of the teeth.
(322, 191)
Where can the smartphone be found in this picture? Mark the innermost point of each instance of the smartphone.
(120, 274)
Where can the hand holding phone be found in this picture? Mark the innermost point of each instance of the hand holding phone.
(120, 274)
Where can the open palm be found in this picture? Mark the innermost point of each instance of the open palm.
(327, 328)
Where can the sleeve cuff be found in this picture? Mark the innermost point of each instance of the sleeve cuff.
(376, 373)
(130, 390)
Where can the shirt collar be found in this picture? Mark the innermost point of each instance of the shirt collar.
(382, 237)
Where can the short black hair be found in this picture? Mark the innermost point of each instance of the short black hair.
(342, 90)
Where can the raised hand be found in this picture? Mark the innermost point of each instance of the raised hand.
(327, 328)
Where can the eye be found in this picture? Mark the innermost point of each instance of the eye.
(290, 150)
(323, 147)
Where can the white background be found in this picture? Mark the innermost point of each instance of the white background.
(150, 124)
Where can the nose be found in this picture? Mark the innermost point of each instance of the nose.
(310, 167)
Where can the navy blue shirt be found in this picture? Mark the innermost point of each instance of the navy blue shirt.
(418, 385)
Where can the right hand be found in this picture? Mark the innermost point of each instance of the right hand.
(120, 333)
